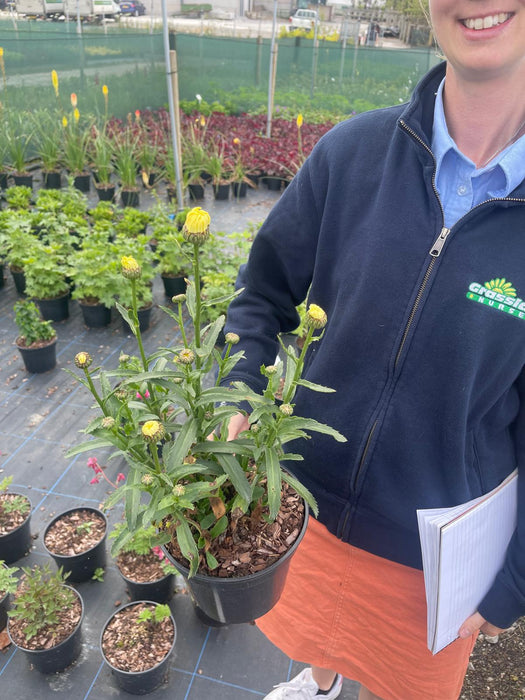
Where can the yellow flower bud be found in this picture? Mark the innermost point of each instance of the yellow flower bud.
(178, 299)
(64, 122)
(83, 360)
(232, 338)
(315, 317)
(286, 409)
(76, 115)
(130, 267)
(147, 479)
(105, 90)
(54, 81)
(152, 431)
(1, 52)
(236, 141)
(185, 357)
(299, 121)
(196, 229)
(108, 422)
(202, 121)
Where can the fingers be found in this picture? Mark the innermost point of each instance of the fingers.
(237, 424)
(477, 623)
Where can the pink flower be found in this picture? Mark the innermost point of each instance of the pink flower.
(146, 395)
(157, 551)
(95, 480)
(120, 477)
(93, 464)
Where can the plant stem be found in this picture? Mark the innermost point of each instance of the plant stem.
(197, 319)
(298, 367)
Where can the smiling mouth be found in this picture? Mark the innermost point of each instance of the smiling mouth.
(486, 22)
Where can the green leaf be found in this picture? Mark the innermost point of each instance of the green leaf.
(301, 490)
(125, 315)
(311, 424)
(211, 561)
(273, 474)
(187, 543)
(179, 449)
(316, 387)
(236, 475)
(220, 526)
(132, 498)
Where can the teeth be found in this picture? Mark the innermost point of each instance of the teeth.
(486, 22)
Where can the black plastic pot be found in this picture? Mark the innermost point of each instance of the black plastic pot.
(239, 189)
(23, 180)
(39, 360)
(3, 180)
(159, 591)
(15, 544)
(273, 183)
(52, 179)
(82, 182)
(144, 316)
(221, 192)
(140, 682)
(243, 599)
(81, 566)
(4, 607)
(173, 285)
(105, 193)
(59, 657)
(130, 198)
(19, 278)
(95, 315)
(196, 191)
(54, 309)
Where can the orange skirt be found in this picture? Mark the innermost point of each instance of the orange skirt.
(365, 617)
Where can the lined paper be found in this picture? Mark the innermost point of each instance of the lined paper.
(463, 548)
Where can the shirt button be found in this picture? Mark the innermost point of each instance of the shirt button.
(462, 189)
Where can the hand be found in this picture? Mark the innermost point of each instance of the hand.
(477, 622)
(237, 424)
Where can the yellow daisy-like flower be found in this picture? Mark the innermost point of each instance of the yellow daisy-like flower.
(501, 286)
(152, 431)
(299, 121)
(83, 360)
(130, 267)
(105, 90)
(196, 229)
(54, 81)
(315, 317)
(64, 122)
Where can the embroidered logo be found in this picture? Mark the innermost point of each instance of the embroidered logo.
(498, 294)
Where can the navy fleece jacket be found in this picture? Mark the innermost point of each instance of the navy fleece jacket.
(425, 341)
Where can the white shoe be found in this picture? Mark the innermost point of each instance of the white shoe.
(303, 687)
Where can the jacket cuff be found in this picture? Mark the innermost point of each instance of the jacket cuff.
(500, 606)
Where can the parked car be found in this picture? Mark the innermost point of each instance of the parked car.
(303, 19)
(392, 32)
(132, 7)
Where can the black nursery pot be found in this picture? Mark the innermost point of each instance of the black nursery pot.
(242, 599)
(196, 191)
(221, 192)
(39, 360)
(274, 184)
(130, 198)
(23, 180)
(81, 566)
(140, 682)
(4, 606)
(159, 591)
(52, 180)
(15, 544)
(19, 278)
(82, 182)
(54, 309)
(3, 181)
(173, 285)
(239, 189)
(62, 655)
(105, 194)
(95, 315)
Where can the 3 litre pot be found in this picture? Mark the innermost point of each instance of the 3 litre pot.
(62, 655)
(242, 599)
(173, 285)
(82, 182)
(56, 309)
(82, 565)
(159, 591)
(52, 179)
(130, 198)
(137, 682)
(95, 315)
(39, 359)
(106, 193)
(16, 543)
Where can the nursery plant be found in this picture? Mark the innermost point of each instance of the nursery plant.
(33, 331)
(185, 478)
(14, 508)
(94, 270)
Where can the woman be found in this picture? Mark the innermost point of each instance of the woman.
(393, 217)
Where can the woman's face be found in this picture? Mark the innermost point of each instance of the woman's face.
(481, 38)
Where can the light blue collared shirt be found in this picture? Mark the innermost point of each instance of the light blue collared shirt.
(460, 184)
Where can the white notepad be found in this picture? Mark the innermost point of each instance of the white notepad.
(463, 549)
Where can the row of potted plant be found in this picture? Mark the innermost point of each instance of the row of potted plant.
(44, 614)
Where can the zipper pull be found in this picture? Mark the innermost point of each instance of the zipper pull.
(440, 242)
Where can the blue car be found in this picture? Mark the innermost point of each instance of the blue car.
(132, 7)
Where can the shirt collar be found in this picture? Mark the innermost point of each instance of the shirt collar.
(509, 162)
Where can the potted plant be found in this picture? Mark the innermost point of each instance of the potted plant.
(4, 172)
(37, 339)
(144, 567)
(173, 263)
(45, 619)
(48, 142)
(217, 167)
(16, 238)
(205, 496)
(132, 222)
(76, 541)
(125, 159)
(239, 173)
(96, 278)
(76, 148)
(147, 157)
(101, 153)
(15, 523)
(8, 585)
(46, 274)
(18, 142)
(136, 643)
